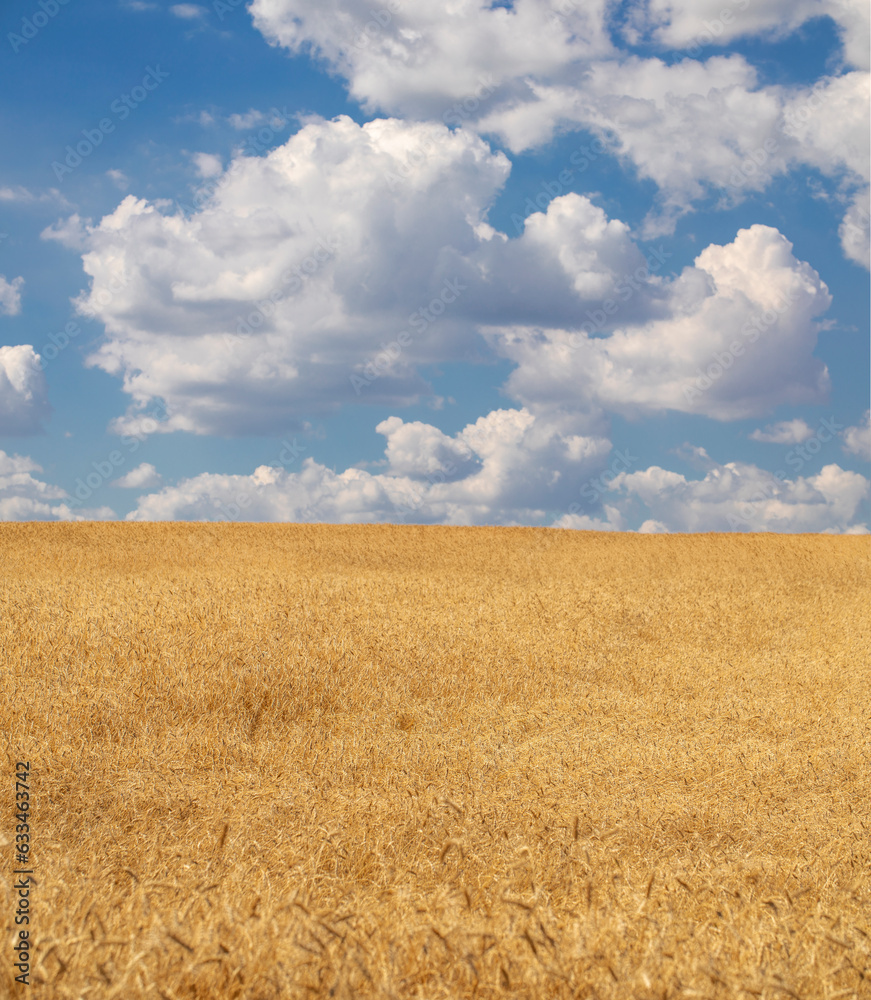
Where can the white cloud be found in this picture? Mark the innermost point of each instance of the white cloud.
(359, 234)
(857, 440)
(507, 467)
(854, 232)
(23, 196)
(784, 432)
(684, 24)
(16, 194)
(23, 497)
(700, 128)
(525, 73)
(252, 118)
(419, 59)
(248, 120)
(10, 296)
(70, 232)
(188, 11)
(828, 125)
(305, 267)
(207, 164)
(119, 179)
(143, 477)
(23, 392)
(613, 521)
(742, 497)
(734, 338)
(511, 467)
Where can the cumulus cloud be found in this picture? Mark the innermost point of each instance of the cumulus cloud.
(329, 270)
(741, 497)
(420, 59)
(524, 73)
(511, 467)
(784, 432)
(701, 128)
(507, 467)
(23, 392)
(274, 298)
(682, 24)
(10, 296)
(143, 477)
(857, 440)
(735, 339)
(23, 497)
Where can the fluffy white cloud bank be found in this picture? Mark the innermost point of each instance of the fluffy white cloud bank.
(23, 393)
(421, 59)
(511, 467)
(328, 271)
(23, 497)
(735, 497)
(498, 470)
(345, 247)
(736, 339)
(692, 127)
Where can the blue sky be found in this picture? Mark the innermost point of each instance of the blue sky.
(599, 265)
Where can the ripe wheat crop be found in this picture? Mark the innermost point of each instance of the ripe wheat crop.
(423, 762)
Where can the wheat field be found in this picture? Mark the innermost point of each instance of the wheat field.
(428, 762)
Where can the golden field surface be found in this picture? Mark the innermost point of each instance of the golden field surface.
(428, 762)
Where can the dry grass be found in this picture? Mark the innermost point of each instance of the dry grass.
(297, 761)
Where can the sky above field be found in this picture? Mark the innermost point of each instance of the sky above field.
(597, 264)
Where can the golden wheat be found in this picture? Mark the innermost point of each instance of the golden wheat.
(374, 761)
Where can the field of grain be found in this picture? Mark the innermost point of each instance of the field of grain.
(378, 761)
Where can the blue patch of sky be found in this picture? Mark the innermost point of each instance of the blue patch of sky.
(574, 162)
